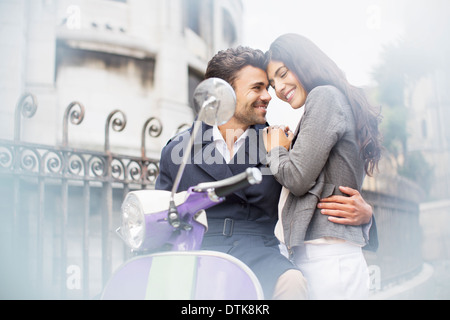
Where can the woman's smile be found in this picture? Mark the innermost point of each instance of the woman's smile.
(290, 95)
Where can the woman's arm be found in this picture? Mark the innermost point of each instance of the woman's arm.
(322, 125)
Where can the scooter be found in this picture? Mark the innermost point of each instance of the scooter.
(165, 229)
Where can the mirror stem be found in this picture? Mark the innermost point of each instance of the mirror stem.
(186, 156)
(174, 217)
(173, 212)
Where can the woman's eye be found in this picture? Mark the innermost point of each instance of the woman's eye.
(283, 72)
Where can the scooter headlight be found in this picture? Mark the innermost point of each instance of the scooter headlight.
(133, 221)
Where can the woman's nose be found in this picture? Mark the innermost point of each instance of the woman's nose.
(280, 88)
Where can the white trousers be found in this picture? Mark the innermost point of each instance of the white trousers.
(334, 271)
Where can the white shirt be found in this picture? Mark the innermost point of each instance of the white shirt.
(221, 145)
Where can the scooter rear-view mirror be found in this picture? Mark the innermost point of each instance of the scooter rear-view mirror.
(214, 101)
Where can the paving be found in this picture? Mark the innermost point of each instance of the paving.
(432, 283)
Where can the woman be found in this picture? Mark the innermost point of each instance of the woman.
(336, 143)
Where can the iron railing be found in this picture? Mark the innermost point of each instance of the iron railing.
(399, 255)
(51, 198)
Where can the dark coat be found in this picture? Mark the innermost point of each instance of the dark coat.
(243, 225)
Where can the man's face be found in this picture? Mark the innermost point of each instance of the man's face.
(252, 96)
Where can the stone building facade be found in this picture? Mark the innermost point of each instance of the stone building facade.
(143, 57)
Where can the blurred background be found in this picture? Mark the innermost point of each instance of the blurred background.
(90, 92)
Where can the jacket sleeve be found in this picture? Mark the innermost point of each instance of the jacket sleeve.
(165, 180)
(322, 125)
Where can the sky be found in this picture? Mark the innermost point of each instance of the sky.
(351, 32)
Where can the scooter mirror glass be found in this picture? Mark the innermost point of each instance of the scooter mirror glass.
(215, 101)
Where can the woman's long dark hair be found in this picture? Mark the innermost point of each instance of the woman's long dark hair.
(314, 68)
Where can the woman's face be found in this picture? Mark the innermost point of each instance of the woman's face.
(286, 85)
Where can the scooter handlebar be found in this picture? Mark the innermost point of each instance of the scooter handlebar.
(227, 186)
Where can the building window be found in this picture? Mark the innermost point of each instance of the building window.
(424, 129)
(229, 30)
(198, 17)
(142, 70)
(195, 78)
(193, 15)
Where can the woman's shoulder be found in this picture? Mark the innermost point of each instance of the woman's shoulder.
(327, 98)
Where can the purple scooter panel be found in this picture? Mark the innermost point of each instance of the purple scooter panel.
(187, 275)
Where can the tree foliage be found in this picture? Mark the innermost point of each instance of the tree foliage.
(403, 63)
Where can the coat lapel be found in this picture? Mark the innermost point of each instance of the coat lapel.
(207, 158)
(251, 154)
(297, 130)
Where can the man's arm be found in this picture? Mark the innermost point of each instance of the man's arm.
(352, 210)
(164, 181)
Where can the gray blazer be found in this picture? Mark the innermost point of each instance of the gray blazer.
(324, 156)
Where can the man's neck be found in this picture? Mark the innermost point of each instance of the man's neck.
(231, 131)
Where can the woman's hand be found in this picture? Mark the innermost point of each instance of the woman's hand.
(275, 136)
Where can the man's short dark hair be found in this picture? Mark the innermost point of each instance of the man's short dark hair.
(227, 63)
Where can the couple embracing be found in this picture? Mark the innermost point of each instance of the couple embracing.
(302, 230)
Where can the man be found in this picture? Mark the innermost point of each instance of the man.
(243, 225)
